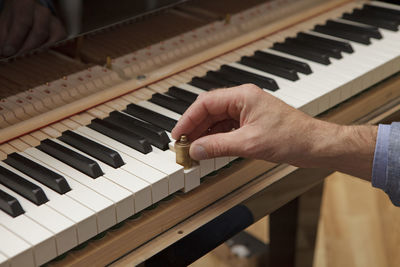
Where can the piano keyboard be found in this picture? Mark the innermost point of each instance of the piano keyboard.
(72, 180)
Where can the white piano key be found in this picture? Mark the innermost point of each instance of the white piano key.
(63, 228)
(141, 189)
(192, 178)
(391, 38)
(221, 162)
(39, 238)
(144, 193)
(173, 171)
(120, 196)
(207, 166)
(104, 208)
(15, 249)
(159, 109)
(4, 261)
(84, 218)
(192, 175)
(191, 88)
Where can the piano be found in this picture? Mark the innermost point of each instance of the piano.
(88, 167)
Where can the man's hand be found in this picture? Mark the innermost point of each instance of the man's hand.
(267, 128)
(25, 25)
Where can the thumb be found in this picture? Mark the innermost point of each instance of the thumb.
(217, 145)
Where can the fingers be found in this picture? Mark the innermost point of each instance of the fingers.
(3, 32)
(22, 20)
(5, 21)
(208, 109)
(57, 31)
(40, 29)
(219, 145)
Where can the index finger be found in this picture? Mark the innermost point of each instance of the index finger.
(22, 19)
(208, 109)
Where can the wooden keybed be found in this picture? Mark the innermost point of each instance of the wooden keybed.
(121, 85)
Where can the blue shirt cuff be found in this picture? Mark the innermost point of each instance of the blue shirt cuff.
(381, 157)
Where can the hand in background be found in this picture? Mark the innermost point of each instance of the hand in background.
(25, 25)
(266, 128)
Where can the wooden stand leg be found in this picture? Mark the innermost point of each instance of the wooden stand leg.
(293, 230)
(283, 235)
(308, 219)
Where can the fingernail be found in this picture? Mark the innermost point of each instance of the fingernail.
(199, 153)
(8, 51)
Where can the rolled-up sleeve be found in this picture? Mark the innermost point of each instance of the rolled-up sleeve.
(386, 165)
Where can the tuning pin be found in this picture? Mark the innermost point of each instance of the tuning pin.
(182, 147)
(228, 18)
(108, 62)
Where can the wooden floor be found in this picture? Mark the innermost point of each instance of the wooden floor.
(359, 227)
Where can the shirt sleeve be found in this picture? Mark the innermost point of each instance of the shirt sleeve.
(381, 157)
(386, 165)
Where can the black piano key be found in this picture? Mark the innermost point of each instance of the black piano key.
(391, 11)
(261, 81)
(71, 158)
(181, 94)
(393, 2)
(150, 116)
(351, 36)
(380, 13)
(226, 79)
(92, 148)
(286, 73)
(205, 84)
(343, 46)
(224, 83)
(154, 128)
(22, 187)
(170, 103)
(298, 66)
(371, 19)
(136, 126)
(301, 52)
(312, 45)
(10, 205)
(371, 31)
(121, 135)
(38, 172)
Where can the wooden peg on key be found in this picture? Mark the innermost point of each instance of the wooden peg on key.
(182, 147)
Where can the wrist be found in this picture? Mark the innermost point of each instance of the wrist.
(349, 149)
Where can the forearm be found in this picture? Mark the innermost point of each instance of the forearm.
(349, 149)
